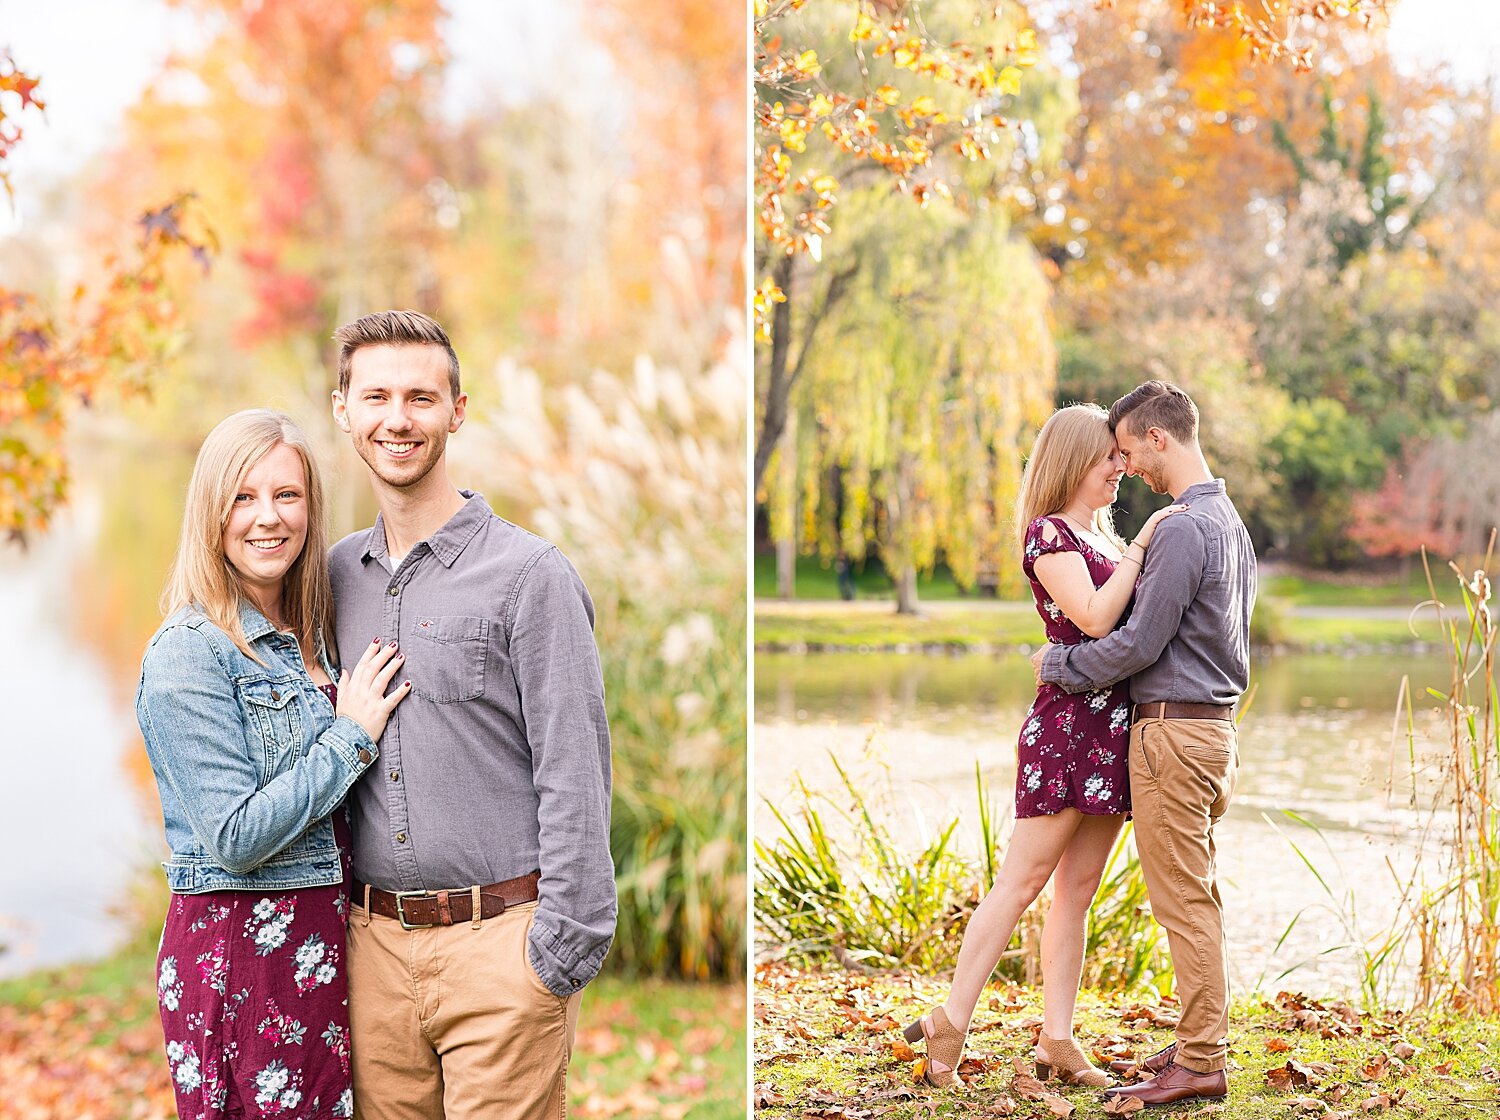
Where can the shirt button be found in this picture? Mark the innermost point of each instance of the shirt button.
(401, 838)
(395, 591)
(395, 775)
(365, 756)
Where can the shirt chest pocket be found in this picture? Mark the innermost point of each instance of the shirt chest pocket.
(447, 663)
(275, 719)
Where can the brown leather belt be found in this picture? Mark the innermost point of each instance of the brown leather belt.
(1161, 710)
(421, 909)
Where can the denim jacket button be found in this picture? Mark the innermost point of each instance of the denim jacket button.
(365, 756)
(275, 695)
(577, 983)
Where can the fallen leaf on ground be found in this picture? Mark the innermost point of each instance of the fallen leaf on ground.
(767, 1097)
(1122, 1106)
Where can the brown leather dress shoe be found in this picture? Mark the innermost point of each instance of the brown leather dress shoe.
(1175, 1083)
(1152, 1064)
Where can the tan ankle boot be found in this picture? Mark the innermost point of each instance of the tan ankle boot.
(1063, 1057)
(945, 1046)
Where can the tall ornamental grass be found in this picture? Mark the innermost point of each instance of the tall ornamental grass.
(640, 479)
(1450, 915)
(842, 882)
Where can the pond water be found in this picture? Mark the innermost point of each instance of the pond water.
(81, 831)
(1320, 740)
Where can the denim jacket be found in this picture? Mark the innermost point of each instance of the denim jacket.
(249, 759)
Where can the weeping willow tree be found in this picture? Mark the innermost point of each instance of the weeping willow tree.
(928, 380)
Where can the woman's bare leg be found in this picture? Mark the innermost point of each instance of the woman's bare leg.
(1073, 888)
(1036, 845)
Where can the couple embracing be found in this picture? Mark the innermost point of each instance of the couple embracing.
(1134, 717)
(384, 772)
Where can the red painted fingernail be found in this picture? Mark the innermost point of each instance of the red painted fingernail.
(393, 643)
(376, 642)
(406, 683)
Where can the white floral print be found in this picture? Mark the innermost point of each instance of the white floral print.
(316, 963)
(183, 1060)
(168, 986)
(268, 923)
(277, 1088)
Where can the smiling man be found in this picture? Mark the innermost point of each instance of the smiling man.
(484, 895)
(1186, 650)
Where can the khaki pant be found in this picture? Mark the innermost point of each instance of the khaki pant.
(453, 1022)
(1182, 774)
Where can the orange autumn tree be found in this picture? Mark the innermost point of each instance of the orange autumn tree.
(111, 335)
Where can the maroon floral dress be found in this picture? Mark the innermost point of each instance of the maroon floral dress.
(1072, 750)
(255, 999)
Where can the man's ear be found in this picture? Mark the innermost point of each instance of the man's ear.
(340, 411)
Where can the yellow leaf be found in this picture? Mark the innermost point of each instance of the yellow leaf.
(889, 94)
(761, 7)
(905, 57)
(924, 105)
(864, 27)
(807, 62)
(820, 107)
(825, 184)
(1009, 81)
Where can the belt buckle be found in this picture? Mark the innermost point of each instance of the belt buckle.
(401, 914)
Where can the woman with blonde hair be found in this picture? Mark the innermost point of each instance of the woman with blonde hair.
(254, 747)
(1072, 779)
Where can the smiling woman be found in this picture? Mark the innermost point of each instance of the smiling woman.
(267, 527)
(253, 749)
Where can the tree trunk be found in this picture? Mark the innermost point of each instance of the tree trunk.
(906, 590)
(898, 512)
(783, 371)
(778, 384)
(786, 569)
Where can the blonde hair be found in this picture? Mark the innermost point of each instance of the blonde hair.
(202, 575)
(1071, 443)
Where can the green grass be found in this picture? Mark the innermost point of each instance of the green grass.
(828, 1040)
(991, 625)
(1303, 591)
(645, 1048)
(778, 626)
(818, 583)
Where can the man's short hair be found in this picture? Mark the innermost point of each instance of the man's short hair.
(393, 328)
(1157, 404)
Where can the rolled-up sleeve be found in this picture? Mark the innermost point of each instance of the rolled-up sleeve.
(195, 736)
(562, 699)
(1173, 571)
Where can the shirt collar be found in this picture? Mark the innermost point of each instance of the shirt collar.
(448, 543)
(1201, 490)
(253, 623)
